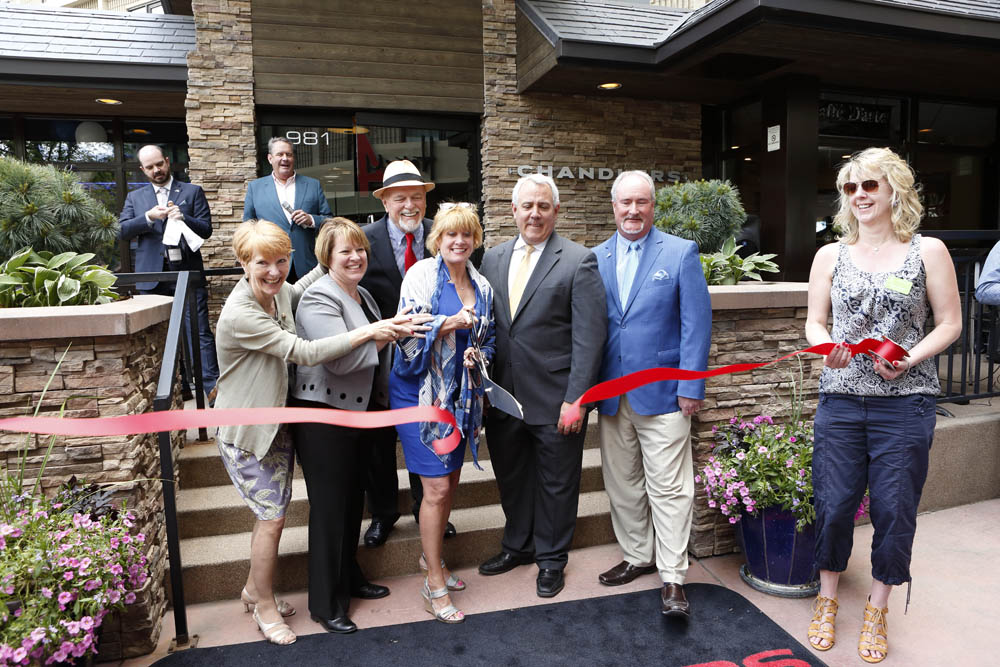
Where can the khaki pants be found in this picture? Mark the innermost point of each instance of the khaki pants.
(649, 478)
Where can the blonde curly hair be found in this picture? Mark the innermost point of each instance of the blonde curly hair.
(906, 206)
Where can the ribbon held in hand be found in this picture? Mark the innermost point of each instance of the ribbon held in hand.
(886, 350)
(178, 420)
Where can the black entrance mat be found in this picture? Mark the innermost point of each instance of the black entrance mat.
(725, 630)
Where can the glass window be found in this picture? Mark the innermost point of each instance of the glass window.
(349, 160)
(169, 135)
(744, 128)
(953, 190)
(862, 117)
(68, 140)
(6, 137)
(956, 125)
(102, 185)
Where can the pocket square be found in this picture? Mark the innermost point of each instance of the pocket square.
(661, 275)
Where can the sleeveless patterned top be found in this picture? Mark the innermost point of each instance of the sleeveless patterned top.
(863, 307)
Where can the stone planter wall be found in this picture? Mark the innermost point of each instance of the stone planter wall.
(111, 369)
(751, 322)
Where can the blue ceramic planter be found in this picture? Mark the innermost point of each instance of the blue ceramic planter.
(779, 560)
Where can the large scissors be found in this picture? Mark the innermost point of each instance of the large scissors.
(499, 397)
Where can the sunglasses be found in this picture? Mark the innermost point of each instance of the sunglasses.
(868, 186)
(448, 205)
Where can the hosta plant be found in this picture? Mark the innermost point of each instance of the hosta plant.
(726, 267)
(32, 278)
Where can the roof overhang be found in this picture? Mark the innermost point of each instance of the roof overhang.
(730, 49)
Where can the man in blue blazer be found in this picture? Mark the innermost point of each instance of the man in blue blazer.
(659, 314)
(180, 210)
(294, 202)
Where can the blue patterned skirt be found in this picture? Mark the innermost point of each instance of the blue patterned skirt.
(264, 484)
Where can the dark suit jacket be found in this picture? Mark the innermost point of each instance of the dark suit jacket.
(148, 243)
(383, 278)
(549, 352)
(262, 203)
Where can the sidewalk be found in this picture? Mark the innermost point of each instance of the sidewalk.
(949, 620)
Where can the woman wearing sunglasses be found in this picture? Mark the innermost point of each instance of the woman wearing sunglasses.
(875, 420)
(440, 370)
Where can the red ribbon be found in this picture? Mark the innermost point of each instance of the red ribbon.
(177, 420)
(887, 350)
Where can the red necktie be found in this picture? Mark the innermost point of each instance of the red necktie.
(409, 257)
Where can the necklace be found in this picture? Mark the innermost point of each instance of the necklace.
(876, 248)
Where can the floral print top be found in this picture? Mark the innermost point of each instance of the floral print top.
(873, 305)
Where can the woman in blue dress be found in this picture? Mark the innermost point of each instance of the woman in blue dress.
(439, 370)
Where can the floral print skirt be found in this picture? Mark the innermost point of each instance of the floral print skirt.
(265, 484)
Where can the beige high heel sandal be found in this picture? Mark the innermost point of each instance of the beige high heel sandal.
(277, 633)
(249, 604)
(453, 583)
(449, 614)
(823, 609)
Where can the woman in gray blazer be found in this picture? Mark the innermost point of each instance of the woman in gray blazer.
(332, 457)
(256, 340)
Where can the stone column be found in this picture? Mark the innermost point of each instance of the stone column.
(220, 122)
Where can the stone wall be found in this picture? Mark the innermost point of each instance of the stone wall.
(109, 369)
(570, 130)
(751, 323)
(220, 120)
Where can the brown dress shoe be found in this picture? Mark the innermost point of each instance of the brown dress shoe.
(623, 573)
(674, 601)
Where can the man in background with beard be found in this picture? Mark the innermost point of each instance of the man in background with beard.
(397, 242)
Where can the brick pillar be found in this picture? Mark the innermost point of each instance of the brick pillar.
(220, 122)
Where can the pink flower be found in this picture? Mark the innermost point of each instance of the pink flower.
(9, 589)
(697, 479)
(68, 575)
(792, 439)
(762, 450)
(19, 655)
(91, 584)
(87, 623)
(740, 455)
(790, 463)
(73, 627)
(711, 503)
(733, 519)
(65, 598)
(38, 634)
(46, 593)
(129, 598)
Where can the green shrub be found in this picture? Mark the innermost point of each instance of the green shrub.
(46, 208)
(706, 212)
(32, 278)
(726, 267)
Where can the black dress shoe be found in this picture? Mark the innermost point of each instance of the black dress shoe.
(503, 562)
(624, 573)
(369, 591)
(549, 583)
(378, 532)
(342, 625)
(674, 602)
(449, 530)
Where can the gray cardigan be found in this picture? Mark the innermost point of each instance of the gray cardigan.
(254, 353)
(346, 382)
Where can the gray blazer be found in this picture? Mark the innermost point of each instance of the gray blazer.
(254, 353)
(345, 382)
(550, 350)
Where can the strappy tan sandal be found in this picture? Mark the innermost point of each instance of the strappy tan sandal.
(823, 622)
(449, 614)
(874, 634)
(277, 633)
(249, 604)
(453, 583)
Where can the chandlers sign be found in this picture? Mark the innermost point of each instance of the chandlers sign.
(590, 173)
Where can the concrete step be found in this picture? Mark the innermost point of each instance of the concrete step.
(215, 566)
(199, 464)
(217, 510)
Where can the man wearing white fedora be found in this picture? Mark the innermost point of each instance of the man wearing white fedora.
(397, 242)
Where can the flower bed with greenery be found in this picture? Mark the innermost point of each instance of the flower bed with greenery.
(758, 463)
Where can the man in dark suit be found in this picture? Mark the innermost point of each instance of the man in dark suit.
(292, 201)
(550, 326)
(167, 222)
(397, 241)
(659, 314)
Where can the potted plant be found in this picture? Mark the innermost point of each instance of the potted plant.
(706, 212)
(759, 475)
(32, 278)
(727, 267)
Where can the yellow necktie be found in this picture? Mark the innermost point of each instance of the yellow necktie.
(520, 278)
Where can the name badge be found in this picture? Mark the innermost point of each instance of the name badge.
(898, 285)
(174, 254)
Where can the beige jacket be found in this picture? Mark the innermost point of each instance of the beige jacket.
(254, 353)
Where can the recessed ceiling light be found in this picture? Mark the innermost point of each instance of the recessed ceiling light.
(846, 157)
(107, 100)
(733, 148)
(926, 130)
(139, 130)
(357, 129)
(746, 159)
(610, 85)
